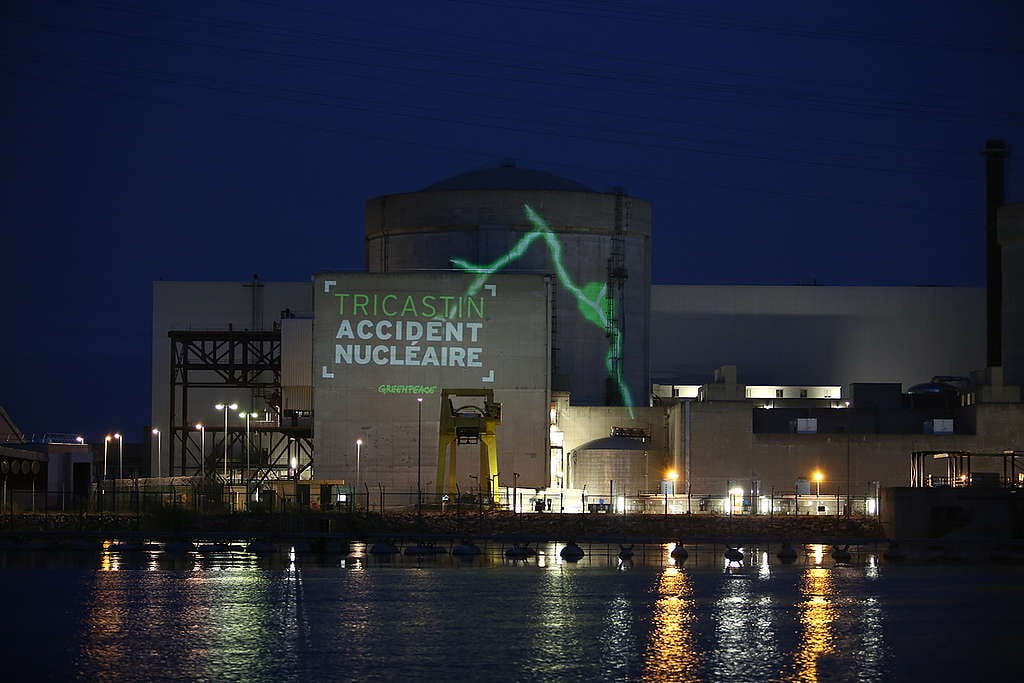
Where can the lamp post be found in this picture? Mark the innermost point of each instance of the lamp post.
(293, 460)
(202, 448)
(156, 433)
(419, 454)
(515, 491)
(493, 484)
(106, 442)
(120, 455)
(818, 476)
(359, 450)
(248, 446)
(226, 408)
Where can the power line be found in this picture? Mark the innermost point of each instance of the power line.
(862, 108)
(257, 54)
(491, 39)
(436, 114)
(691, 19)
(675, 181)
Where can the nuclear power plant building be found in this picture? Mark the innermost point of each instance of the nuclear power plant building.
(506, 335)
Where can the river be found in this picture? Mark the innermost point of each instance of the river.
(230, 614)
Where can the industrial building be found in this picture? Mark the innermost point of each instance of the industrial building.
(506, 334)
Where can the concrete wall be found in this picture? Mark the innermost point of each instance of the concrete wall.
(376, 400)
(816, 335)
(426, 230)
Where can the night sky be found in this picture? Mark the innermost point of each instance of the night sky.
(778, 143)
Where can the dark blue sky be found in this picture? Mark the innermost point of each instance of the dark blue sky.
(777, 143)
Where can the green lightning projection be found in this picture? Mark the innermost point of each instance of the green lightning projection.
(592, 298)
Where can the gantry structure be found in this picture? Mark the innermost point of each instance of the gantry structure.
(468, 424)
(273, 446)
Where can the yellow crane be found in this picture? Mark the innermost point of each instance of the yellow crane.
(468, 424)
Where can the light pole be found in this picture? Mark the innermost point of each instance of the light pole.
(120, 455)
(245, 416)
(515, 491)
(359, 450)
(226, 408)
(156, 433)
(818, 476)
(419, 454)
(202, 448)
(106, 442)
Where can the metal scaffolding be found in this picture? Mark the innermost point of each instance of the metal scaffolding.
(202, 361)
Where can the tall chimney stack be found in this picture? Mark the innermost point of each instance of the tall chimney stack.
(995, 153)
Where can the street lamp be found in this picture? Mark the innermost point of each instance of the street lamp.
(226, 408)
(359, 450)
(515, 491)
(120, 459)
(248, 446)
(672, 477)
(818, 476)
(156, 433)
(293, 460)
(202, 447)
(106, 442)
(419, 454)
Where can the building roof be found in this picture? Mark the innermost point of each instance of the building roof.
(507, 176)
(9, 431)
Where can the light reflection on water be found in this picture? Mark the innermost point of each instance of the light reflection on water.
(237, 616)
(671, 653)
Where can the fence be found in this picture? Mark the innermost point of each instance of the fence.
(141, 496)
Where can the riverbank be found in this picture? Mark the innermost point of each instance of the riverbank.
(451, 525)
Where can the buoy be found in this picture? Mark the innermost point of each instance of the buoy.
(571, 552)
(383, 548)
(840, 555)
(894, 553)
(466, 549)
(260, 548)
(786, 553)
(519, 552)
(679, 553)
(422, 549)
(179, 547)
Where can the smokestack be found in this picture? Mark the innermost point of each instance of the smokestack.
(995, 153)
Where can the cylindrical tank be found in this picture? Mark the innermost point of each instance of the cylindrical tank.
(597, 250)
(597, 463)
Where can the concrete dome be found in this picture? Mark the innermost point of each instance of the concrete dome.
(613, 443)
(618, 459)
(603, 250)
(507, 176)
